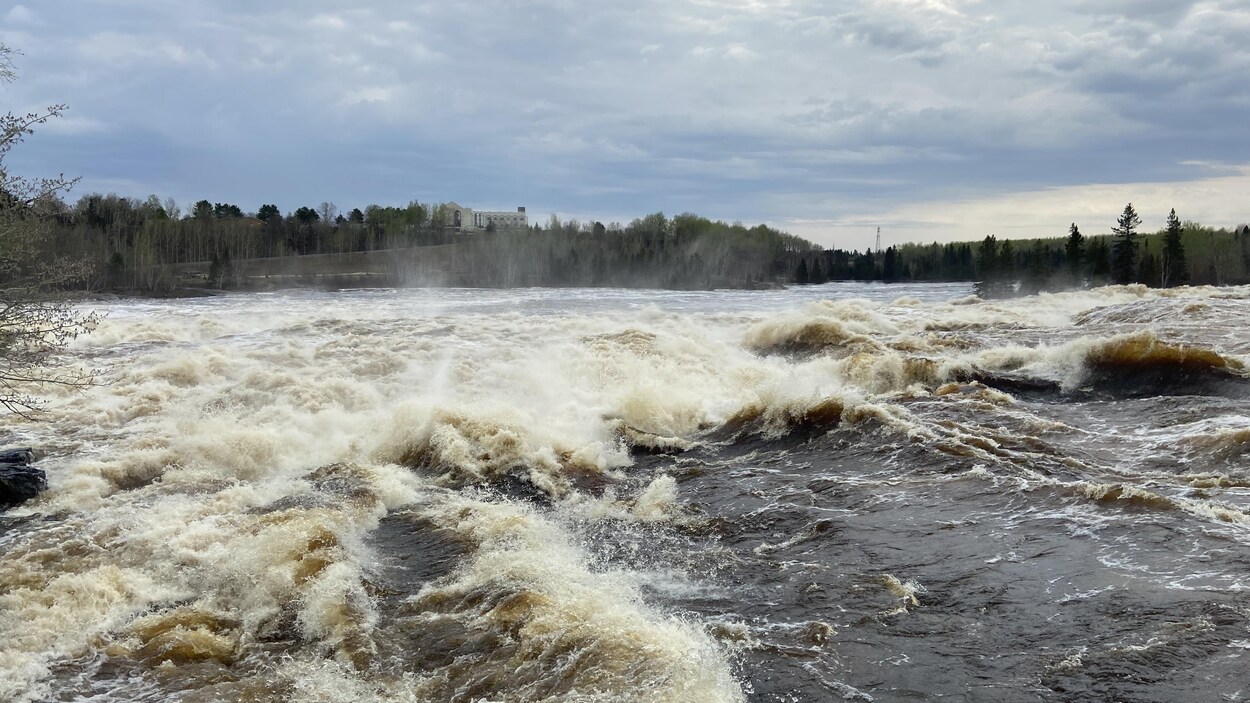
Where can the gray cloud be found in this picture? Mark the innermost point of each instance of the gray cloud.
(895, 34)
(1156, 11)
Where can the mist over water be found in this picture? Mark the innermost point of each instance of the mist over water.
(838, 492)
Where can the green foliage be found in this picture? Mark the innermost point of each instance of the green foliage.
(225, 211)
(1148, 270)
(268, 213)
(1124, 252)
(953, 261)
(989, 269)
(817, 275)
(889, 265)
(1099, 256)
(306, 215)
(801, 275)
(1175, 268)
(684, 251)
(1037, 269)
(1007, 264)
(1074, 250)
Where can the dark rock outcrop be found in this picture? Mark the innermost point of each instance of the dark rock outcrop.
(19, 481)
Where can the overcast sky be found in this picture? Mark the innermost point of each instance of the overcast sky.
(934, 119)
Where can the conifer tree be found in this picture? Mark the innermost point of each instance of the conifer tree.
(1098, 256)
(817, 273)
(1148, 270)
(987, 267)
(1037, 269)
(1124, 252)
(801, 276)
(1007, 268)
(1074, 248)
(268, 212)
(889, 265)
(1175, 269)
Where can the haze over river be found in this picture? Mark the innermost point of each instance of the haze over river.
(839, 492)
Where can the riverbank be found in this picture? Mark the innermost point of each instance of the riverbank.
(440, 266)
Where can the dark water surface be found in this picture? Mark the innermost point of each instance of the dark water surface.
(841, 492)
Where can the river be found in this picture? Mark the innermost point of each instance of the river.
(838, 492)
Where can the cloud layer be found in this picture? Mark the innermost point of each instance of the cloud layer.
(823, 117)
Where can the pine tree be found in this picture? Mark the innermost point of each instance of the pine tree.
(889, 266)
(268, 212)
(987, 268)
(1097, 256)
(801, 275)
(817, 274)
(1074, 248)
(1124, 252)
(1148, 270)
(1037, 269)
(1007, 269)
(1175, 270)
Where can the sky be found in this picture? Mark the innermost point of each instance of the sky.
(936, 120)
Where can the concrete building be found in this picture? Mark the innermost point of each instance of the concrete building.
(467, 220)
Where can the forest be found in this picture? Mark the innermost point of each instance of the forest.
(1178, 253)
(133, 245)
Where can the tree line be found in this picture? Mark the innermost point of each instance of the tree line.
(133, 244)
(1179, 253)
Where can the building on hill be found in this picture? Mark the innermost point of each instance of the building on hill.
(467, 221)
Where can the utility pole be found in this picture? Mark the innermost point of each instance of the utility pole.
(878, 240)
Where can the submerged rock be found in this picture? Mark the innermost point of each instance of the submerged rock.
(19, 482)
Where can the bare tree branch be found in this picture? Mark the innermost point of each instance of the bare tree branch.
(37, 316)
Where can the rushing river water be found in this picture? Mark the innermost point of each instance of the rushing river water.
(841, 492)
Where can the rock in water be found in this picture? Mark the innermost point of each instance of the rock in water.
(22, 456)
(19, 482)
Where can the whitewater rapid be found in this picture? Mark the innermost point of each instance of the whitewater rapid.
(607, 495)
